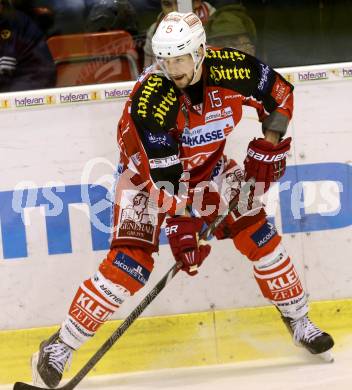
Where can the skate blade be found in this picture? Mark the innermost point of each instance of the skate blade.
(36, 379)
(326, 356)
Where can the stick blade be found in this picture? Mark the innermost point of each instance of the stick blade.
(25, 386)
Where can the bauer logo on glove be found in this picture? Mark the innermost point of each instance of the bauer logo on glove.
(267, 158)
(266, 162)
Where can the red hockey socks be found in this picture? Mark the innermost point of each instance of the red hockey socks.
(279, 282)
(121, 274)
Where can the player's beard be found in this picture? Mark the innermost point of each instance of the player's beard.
(183, 82)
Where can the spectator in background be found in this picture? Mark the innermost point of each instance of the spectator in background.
(62, 17)
(107, 15)
(201, 8)
(56, 17)
(231, 26)
(25, 60)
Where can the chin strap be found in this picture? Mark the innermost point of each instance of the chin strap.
(198, 60)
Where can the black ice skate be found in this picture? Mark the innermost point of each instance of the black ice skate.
(49, 362)
(309, 336)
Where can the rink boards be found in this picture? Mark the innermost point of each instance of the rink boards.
(186, 340)
(59, 153)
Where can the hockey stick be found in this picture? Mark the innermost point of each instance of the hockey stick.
(143, 304)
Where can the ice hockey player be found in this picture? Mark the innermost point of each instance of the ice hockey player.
(171, 139)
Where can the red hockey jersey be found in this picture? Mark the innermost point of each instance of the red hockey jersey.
(163, 135)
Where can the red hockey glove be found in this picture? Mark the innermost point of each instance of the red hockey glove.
(182, 235)
(265, 161)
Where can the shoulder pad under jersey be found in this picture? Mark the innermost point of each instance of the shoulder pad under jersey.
(155, 104)
(233, 69)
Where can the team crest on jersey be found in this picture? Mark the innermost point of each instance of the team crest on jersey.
(137, 218)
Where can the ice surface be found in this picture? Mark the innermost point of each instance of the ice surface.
(301, 372)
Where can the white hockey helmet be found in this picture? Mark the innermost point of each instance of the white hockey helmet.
(178, 34)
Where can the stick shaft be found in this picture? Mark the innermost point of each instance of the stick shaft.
(143, 304)
(151, 296)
